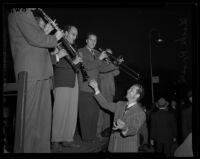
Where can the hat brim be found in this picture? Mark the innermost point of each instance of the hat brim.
(164, 105)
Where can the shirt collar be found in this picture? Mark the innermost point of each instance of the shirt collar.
(89, 49)
(163, 108)
(131, 105)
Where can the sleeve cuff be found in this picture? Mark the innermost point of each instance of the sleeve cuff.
(97, 92)
(57, 58)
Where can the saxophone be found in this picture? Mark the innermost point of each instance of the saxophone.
(67, 46)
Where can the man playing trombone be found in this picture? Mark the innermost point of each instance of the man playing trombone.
(88, 107)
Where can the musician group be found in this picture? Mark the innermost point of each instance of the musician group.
(82, 82)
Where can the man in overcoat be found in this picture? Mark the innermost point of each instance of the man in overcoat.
(163, 128)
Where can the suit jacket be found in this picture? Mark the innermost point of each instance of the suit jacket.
(107, 81)
(163, 126)
(29, 46)
(134, 118)
(91, 65)
(144, 132)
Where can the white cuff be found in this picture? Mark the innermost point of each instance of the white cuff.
(57, 58)
(97, 92)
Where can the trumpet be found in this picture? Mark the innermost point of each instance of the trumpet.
(119, 61)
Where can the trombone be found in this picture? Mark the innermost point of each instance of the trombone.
(119, 61)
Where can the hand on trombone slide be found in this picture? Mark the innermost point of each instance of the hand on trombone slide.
(103, 55)
(119, 60)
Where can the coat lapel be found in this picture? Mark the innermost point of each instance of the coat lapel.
(130, 111)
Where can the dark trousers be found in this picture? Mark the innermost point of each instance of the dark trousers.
(165, 148)
(88, 115)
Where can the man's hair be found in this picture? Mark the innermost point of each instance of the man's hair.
(89, 34)
(68, 28)
(140, 91)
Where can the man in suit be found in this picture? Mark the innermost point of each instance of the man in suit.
(65, 91)
(128, 118)
(163, 128)
(87, 105)
(29, 46)
(65, 97)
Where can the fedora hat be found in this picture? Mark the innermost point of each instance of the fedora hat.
(162, 103)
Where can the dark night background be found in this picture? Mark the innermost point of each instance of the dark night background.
(126, 29)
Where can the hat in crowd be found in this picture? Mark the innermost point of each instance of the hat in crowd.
(162, 103)
(189, 94)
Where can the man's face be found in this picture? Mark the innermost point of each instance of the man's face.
(132, 93)
(71, 35)
(91, 41)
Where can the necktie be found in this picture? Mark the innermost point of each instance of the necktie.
(125, 110)
(93, 55)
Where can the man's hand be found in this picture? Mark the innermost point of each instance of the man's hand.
(119, 124)
(59, 35)
(48, 28)
(115, 126)
(62, 53)
(103, 55)
(93, 83)
(77, 60)
(120, 60)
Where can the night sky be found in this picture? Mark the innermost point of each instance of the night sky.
(126, 31)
